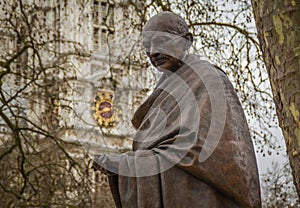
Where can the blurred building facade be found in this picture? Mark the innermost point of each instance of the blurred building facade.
(95, 92)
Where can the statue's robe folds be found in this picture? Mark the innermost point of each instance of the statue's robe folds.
(173, 124)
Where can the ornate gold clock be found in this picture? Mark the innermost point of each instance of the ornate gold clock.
(103, 110)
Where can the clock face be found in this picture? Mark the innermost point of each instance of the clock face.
(105, 109)
(102, 109)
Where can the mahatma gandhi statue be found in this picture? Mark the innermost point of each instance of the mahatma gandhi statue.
(192, 147)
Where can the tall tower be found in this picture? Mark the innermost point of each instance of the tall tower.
(112, 82)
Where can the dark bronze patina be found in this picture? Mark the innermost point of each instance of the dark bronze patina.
(227, 178)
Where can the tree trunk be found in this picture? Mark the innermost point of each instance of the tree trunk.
(278, 25)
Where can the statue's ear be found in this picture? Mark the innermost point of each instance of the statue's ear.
(189, 40)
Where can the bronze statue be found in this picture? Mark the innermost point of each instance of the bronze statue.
(192, 147)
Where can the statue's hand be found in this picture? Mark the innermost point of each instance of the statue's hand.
(97, 165)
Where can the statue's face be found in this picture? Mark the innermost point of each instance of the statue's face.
(164, 49)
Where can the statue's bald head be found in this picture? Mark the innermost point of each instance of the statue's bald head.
(167, 22)
(166, 39)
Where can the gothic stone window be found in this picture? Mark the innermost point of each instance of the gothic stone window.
(103, 24)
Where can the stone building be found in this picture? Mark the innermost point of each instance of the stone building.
(90, 61)
(112, 82)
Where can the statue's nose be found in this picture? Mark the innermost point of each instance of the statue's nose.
(152, 50)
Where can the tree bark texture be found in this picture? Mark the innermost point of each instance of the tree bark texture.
(278, 25)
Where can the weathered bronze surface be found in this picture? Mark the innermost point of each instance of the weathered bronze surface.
(169, 145)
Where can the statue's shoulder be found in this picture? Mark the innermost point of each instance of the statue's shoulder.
(196, 63)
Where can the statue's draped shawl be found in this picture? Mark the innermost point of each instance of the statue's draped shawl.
(164, 169)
